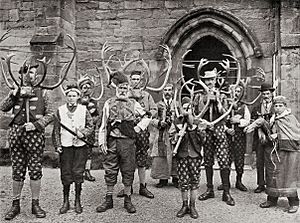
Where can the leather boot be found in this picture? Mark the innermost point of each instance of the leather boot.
(122, 194)
(175, 182)
(193, 212)
(88, 176)
(107, 204)
(13, 211)
(227, 198)
(66, 205)
(37, 210)
(162, 183)
(77, 206)
(184, 210)
(128, 205)
(145, 192)
(239, 185)
(207, 195)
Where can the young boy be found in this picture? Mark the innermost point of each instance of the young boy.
(285, 132)
(72, 125)
(188, 157)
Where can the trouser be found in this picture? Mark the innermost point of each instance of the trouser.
(216, 143)
(293, 201)
(120, 156)
(26, 150)
(263, 162)
(72, 164)
(142, 147)
(237, 149)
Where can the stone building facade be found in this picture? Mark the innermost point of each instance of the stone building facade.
(260, 33)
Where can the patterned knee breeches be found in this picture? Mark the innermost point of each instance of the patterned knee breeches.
(26, 151)
(188, 169)
(142, 146)
(237, 150)
(216, 142)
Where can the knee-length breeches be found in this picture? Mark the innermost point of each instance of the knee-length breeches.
(120, 155)
(216, 143)
(26, 150)
(72, 164)
(237, 149)
(142, 147)
(188, 170)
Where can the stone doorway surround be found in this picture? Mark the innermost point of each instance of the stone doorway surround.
(223, 26)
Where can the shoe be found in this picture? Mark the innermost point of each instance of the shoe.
(37, 210)
(13, 211)
(259, 189)
(207, 195)
(88, 176)
(66, 205)
(162, 183)
(107, 204)
(220, 187)
(193, 212)
(240, 186)
(128, 205)
(175, 182)
(293, 209)
(145, 192)
(184, 210)
(228, 199)
(267, 204)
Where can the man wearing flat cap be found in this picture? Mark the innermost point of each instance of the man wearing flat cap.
(117, 135)
(216, 138)
(261, 146)
(86, 85)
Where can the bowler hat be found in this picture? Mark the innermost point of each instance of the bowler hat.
(210, 74)
(266, 87)
(119, 78)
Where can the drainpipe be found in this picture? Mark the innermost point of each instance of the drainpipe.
(276, 74)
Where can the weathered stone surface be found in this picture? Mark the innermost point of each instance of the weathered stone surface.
(132, 4)
(14, 15)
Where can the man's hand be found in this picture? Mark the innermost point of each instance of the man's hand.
(137, 129)
(235, 119)
(230, 131)
(103, 149)
(29, 126)
(79, 133)
(59, 149)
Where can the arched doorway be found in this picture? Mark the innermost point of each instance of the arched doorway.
(210, 33)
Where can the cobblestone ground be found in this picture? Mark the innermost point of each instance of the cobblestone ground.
(162, 208)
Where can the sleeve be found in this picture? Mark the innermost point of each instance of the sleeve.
(56, 138)
(103, 130)
(8, 102)
(41, 123)
(152, 106)
(246, 119)
(89, 125)
(139, 110)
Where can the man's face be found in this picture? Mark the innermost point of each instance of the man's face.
(30, 78)
(122, 90)
(168, 92)
(238, 92)
(72, 97)
(267, 95)
(86, 89)
(210, 82)
(279, 108)
(135, 80)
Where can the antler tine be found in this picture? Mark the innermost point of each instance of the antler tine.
(102, 86)
(180, 92)
(5, 78)
(7, 60)
(148, 73)
(175, 98)
(67, 69)
(5, 35)
(43, 62)
(169, 64)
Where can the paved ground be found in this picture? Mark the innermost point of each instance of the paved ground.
(162, 208)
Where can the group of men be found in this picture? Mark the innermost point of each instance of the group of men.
(132, 127)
